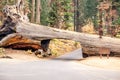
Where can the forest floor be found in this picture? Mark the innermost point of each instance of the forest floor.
(16, 56)
(113, 63)
(60, 47)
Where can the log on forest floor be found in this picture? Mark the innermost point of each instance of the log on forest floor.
(39, 32)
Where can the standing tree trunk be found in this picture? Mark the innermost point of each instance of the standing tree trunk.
(38, 11)
(33, 11)
(76, 16)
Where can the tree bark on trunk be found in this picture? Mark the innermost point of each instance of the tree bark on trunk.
(33, 11)
(38, 9)
(39, 32)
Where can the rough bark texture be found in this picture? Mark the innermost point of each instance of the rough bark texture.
(39, 32)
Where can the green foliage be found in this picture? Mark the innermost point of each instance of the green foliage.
(116, 3)
(81, 9)
(87, 10)
(117, 22)
(44, 12)
(91, 9)
(118, 9)
(53, 14)
(60, 10)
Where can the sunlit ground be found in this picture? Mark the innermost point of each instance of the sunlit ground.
(111, 63)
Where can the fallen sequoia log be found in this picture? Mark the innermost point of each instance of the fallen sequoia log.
(39, 32)
(15, 26)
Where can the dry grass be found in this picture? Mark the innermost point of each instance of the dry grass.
(88, 28)
(60, 46)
